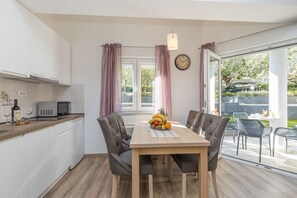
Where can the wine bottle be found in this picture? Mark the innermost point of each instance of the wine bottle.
(15, 112)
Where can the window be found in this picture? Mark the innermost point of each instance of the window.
(138, 76)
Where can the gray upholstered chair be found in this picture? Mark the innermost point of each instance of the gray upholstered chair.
(287, 133)
(193, 121)
(125, 136)
(254, 129)
(212, 127)
(120, 159)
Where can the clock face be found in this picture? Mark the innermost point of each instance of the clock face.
(182, 62)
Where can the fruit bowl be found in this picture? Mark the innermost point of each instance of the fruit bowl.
(159, 122)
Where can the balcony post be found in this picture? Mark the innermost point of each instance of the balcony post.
(278, 89)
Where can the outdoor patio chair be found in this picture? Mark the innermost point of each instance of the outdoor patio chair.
(287, 133)
(233, 125)
(254, 129)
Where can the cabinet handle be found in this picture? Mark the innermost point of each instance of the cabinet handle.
(14, 73)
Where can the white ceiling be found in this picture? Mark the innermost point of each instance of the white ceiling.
(271, 11)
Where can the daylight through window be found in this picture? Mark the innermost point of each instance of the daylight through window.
(138, 76)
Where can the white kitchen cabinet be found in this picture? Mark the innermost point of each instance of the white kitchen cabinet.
(14, 39)
(64, 62)
(38, 47)
(13, 171)
(63, 148)
(41, 166)
(77, 141)
(52, 54)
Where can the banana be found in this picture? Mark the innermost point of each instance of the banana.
(162, 117)
(155, 119)
(151, 121)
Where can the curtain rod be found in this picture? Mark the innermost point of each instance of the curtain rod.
(134, 46)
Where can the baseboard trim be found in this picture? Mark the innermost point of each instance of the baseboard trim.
(96, 155)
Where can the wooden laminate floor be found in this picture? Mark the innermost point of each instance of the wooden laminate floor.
(92, 179)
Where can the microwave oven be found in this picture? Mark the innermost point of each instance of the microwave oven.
(53, 109)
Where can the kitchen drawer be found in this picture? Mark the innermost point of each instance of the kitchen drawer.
(63, 127)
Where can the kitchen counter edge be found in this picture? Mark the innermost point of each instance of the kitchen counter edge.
(34, 126)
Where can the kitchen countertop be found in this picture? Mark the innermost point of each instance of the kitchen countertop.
(14, 130)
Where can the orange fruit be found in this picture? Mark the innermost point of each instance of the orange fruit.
(168, 125)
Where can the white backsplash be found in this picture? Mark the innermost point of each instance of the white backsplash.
(35, 93)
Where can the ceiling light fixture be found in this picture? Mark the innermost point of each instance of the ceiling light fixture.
(172, 43)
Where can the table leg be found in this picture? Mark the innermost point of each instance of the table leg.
(135, 173)
(203, 174)
(169, 167)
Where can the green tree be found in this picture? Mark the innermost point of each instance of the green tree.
(254, 66)
(127, 78)
(292, 68)
(147, 77)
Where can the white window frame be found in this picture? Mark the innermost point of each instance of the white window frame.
(137, 62)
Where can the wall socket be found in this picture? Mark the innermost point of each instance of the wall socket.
(22, 93)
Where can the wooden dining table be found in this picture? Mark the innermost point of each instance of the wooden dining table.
(183, 141)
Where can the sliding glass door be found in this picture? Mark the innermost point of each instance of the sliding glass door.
(259, 86)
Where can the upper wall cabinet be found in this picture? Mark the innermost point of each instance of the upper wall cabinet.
(64, 68)
(50, 53)
(14, 39)
(38, 56)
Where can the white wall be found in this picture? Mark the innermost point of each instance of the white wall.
(86, 34)
(74, 93)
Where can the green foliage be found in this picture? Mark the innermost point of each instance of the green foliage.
(263, 87)
(292, 67)
(292, 123)
(127, 79)
(292, 92)
(254, 66)
(228, 94)
(127, 89)
(292, 87)
(255, 93)
(143, 94)
(162, 111)
(252, 93)
(147, 78)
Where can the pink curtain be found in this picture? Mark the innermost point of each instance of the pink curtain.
(163, 80)
(111, 79)
(211, 47)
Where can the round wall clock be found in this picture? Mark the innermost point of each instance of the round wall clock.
(182, 62)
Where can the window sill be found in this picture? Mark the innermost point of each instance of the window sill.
(137, 112)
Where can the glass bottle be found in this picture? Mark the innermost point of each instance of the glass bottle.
(15, 112)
